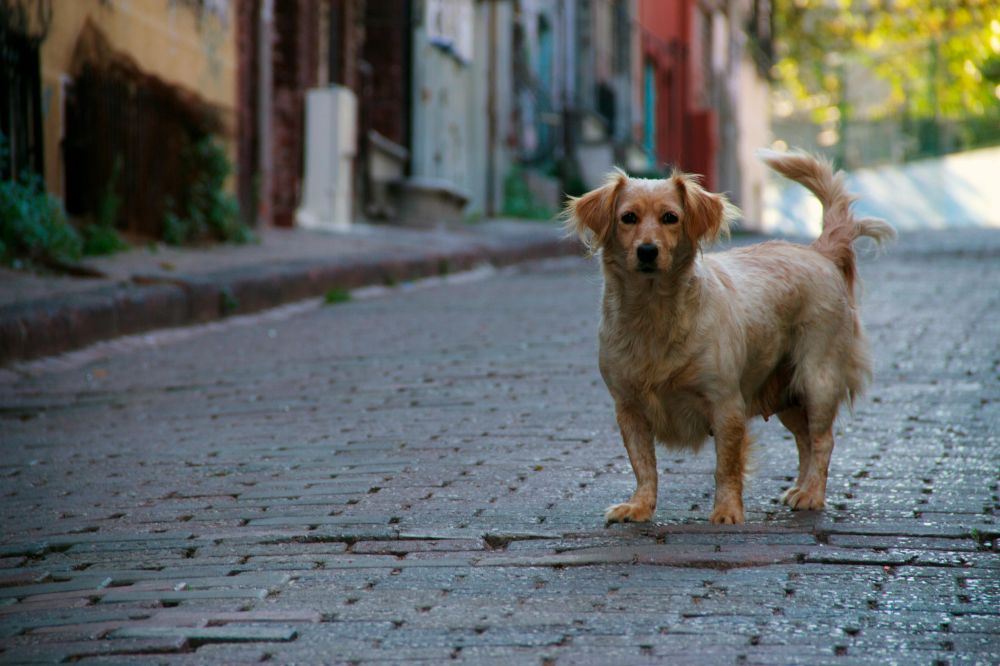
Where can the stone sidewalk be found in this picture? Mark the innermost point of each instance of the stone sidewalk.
(161, 286)
(420, 476)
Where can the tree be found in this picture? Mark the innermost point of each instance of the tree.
(940, 58)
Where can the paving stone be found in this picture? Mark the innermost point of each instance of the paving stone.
(24, 576)
(741, 539)
(61, 652)
(227, 653)
(361, 562)
(320, 520)
(967, 622)
(13, 625)
(416, 546)
(666, 554)
(174, 596)
(146, 539)
(95, 583)
(923, 543)
(44, 603)
(888, 557)
(254, 578)
(327, 491)
(231, 633)
(88, 630)
(178, 547)
(195, 570)
(17, 550)
(347, 534)
(177, 616)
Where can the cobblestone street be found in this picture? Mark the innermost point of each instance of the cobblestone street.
(421, 474)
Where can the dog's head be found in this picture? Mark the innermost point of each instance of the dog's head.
(645, 225)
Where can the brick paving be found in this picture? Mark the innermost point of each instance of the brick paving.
(421, 477)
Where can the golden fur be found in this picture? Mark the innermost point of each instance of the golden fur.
(692, 346)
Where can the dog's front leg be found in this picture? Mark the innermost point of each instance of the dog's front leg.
(638, 437)
(731, 447)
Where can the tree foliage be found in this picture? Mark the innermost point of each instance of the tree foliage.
(940, 58)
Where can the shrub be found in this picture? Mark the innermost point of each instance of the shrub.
(33, 227)
(518, 200)
(101, 237)
(205, 210)
(98, 240)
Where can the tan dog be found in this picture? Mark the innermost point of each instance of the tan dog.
(693, 346)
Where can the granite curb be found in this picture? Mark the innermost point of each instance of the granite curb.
(64, 322)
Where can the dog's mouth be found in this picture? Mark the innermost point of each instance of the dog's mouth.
(647, 268)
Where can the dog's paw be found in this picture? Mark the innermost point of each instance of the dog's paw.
(800, 499)
(727, 515)
(628, 512)
(787, 495)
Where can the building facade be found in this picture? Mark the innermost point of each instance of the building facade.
(705, 92)
(466, 108)
(121, 88)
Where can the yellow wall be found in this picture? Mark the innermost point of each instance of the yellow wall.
(166, 38)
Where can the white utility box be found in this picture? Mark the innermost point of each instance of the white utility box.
(331, 144)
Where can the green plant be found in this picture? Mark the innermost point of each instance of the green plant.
(99, 240)
(107, 214)
(176, 230)
(519, 201)
(336, 295)
(102, 238)
(984, 540)
(205, 209)
(33, 227)
(228, 301)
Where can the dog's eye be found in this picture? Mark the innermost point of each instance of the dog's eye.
(669, 218)
(630, 218)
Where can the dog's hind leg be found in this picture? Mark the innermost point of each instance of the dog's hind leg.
(795, 420)
(809, 492)
(732, 444)
(820, 383)
(638, 438)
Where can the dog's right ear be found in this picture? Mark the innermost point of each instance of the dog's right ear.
(592, 215)
(707, 215)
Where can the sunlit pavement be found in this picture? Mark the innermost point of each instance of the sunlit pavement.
(421, 475)
(956, 190)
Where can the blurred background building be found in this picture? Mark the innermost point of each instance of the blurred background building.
(465, 108)
(427, 111)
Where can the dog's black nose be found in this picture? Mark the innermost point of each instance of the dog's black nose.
(646, 253)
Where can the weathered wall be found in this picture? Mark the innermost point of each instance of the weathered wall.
(451, 136)
(173, 40)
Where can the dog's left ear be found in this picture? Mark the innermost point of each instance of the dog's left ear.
(592, 215)
(706, 215)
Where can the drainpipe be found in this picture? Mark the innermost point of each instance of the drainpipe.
(491, 110)
(570, 70)
(265, 80)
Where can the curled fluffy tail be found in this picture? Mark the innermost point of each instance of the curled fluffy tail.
(840, 228)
